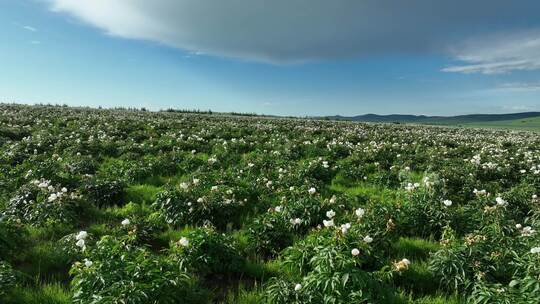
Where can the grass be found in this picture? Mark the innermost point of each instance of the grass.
(529, 124)
(45, 261)
(414, 248)
(173, 235)
(44, 294)
(245, 295)
(418, 279)
(158, 181)
(437, 299)
(47, 233)
(141, 194)
(367, 191)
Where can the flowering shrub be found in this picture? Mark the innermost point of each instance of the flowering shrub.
(274, 230)
(12, 238)
(7, 278)
(269, 233)
(207, 251)
(103, 192)
(486, 255)
(335, 278)
(426, 213)
(199, 203)
(139, 223)
(113, 271)
(40, 203)
(75, 244)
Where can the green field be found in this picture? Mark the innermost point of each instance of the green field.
(529, 124)
(519, 121)
(127, 206)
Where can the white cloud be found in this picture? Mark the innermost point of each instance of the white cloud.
(298, 30)
(499, 53)
(517, 108)
(519, 87)
(29, 28)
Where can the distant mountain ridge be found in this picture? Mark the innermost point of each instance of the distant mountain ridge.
(446, 120)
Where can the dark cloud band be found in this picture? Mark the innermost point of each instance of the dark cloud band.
(283, 31)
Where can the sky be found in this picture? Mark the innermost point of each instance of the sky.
(279, 57)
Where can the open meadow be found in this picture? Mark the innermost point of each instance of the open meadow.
(126, 206)
(526, 124)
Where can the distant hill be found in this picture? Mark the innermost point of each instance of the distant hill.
(442, 120)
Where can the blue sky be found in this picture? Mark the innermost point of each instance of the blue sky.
(294, 57)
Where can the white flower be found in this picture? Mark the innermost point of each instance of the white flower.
(355, 252)
(64, 189)
(345, 228)
(43, 184)
(312, 190)
(125, 222)
(518, 226)
(330, 214)
(200, 200)
(368, 239)
(479, 192)
(329, 223)
(535, 250)
(297, 287)
(410, 187)
(401, 265)
(88, 263)
(196, 181)
(333, 199)
(296, 221)
(184, 185)
(359, 212)
(527, 231)
(81, 235)
(500, 201)
(183, 241)
(52, 197)
(80, 243)
(447, 203)
(278, 209)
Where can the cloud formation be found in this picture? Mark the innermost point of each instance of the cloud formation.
(500, 53)
(282, 31)
(520, 87)
(29, 28)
